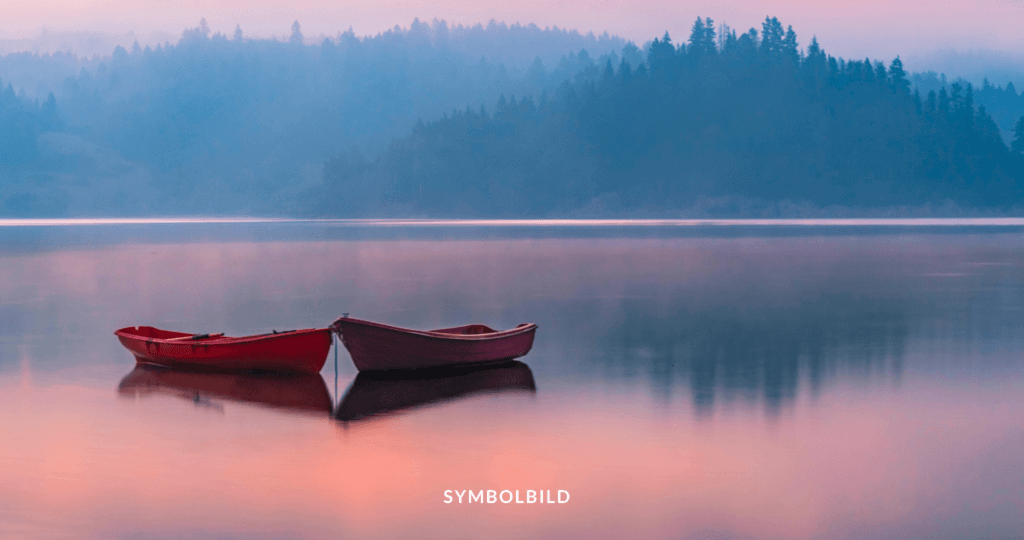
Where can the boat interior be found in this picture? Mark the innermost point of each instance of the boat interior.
(153, 333)
(469, 329)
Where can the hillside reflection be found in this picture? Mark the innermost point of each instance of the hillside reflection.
(758, 353)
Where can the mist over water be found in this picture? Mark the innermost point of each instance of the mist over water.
(677, 372)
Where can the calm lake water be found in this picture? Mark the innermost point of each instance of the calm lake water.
(752, 381)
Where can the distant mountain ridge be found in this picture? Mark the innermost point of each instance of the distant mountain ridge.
(39, 65)
(227, 125)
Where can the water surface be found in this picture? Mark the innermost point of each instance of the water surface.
(745, 381)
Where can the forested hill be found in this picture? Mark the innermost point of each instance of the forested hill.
(724, 124)
(731, 120)
(228, 125)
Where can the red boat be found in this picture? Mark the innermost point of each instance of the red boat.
(299, 391)
(294, 351)
(377, 347)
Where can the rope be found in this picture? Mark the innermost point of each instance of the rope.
(334, 339)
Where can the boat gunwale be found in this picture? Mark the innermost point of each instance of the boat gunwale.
(522, 329)
(222, 340)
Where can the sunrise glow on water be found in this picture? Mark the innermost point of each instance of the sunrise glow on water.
(793, 386)
(458, 269)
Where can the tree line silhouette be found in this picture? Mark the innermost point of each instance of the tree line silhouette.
(224, 124)
(725, 116)
(1002, 102)
(21, 122)
(727, 123)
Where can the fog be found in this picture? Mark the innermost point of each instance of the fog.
(439, 119)
(219, 124)
(852, 29)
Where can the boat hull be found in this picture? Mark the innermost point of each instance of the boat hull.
(379, 347)
(300, 351)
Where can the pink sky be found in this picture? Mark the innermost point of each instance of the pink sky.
(845, 27)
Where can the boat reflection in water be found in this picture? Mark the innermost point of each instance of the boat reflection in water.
(375, 393)
(298, 392)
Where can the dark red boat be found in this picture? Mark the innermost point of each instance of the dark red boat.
(377, 393)
(294, 351)
(300, 391)
(378, 347)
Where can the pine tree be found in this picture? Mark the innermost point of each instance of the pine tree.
(943, 101)
(709, 37)
(746, 45)
(813, 49)
(771, 37)
(880, 74)
(869, 75)
(661, 55)
(196, 34)
(625, 71)
(956, 97)
(790, 48)
(696, 48)
(987, 128)
(1018, 140)
(898, 78)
